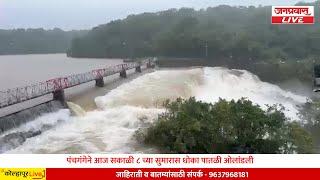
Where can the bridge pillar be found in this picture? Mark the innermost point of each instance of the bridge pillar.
(100, 82)
(59, 95)
(138, 69)
(150, 65)
(123, 73)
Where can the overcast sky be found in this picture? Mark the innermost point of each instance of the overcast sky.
(85, 14)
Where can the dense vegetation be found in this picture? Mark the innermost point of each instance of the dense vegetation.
(36, 41)
(310, 114)
(190, 126)
(239, 34)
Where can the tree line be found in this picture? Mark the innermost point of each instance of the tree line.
(242, 34)
(191, 126)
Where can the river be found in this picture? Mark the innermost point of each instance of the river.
(120, 110)
(23, 70)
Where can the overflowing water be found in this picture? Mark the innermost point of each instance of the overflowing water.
(136, 104)
(76, 110)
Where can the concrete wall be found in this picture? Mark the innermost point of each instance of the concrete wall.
(16, 119)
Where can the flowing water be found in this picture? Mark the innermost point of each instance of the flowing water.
(130, 106)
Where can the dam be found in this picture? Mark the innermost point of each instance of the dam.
(56, 87)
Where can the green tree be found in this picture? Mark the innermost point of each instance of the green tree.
(242, 33)
(190, 126)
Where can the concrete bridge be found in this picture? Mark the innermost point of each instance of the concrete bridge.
(56, 86)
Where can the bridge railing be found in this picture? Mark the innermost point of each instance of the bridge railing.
(17, 95)
(3, 98)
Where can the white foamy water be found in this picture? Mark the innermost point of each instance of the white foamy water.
(235, 84)
(153, 89)
(137, 104)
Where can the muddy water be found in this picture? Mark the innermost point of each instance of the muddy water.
(22, 70)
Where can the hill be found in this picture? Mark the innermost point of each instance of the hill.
(238, 33)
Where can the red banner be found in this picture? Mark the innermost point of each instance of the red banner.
(292, 15)
(292, 20)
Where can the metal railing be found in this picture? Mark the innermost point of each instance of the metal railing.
(20, 94)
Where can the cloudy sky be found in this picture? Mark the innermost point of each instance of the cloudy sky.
(85, 14)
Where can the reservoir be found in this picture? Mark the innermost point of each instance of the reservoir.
(22, 70)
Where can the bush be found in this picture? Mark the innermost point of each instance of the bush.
(190, 126)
